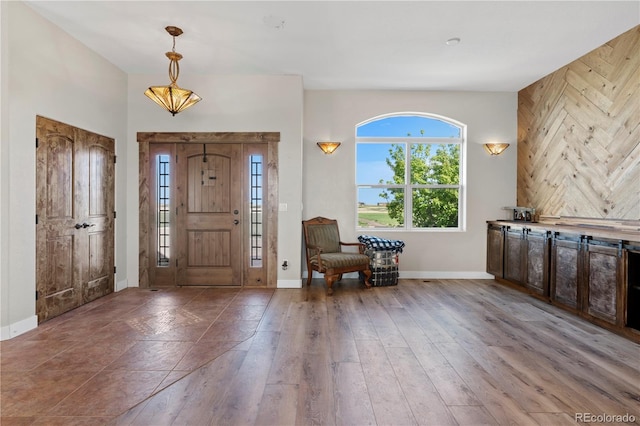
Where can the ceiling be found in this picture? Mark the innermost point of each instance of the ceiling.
(504, 45)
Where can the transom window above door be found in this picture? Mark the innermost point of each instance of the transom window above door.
(410, 172)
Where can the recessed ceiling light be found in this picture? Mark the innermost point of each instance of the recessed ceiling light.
(273, 22)
(453, 41)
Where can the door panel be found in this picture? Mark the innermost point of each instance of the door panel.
(99, 177)
(59, 291)
(537, 255)
(74, 203)
(209, 183)
(604, 265)
(58, 288)
(565, 265)
(513, 255)
(209, 214)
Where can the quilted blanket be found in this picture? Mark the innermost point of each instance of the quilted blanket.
(381, 244)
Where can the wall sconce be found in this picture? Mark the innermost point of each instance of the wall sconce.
(328, 147)
(495, 148)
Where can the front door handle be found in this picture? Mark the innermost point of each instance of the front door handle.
(84, 225)
(236, 221)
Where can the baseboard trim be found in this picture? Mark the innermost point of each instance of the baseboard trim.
(434, 275)
(18, 328)
(444, 275)
(121, 285)
(289, 284)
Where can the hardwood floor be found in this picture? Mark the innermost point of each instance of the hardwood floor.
(436, 352)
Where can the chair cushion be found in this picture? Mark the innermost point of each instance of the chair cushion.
(341, 260)
(325, 236)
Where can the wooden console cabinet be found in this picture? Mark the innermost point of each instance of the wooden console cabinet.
(577, 268)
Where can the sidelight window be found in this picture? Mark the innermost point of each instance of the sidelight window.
(163, 211)
(256, 166)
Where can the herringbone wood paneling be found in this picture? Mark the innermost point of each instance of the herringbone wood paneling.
(579, 135)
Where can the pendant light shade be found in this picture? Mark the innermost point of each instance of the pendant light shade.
(173, 98)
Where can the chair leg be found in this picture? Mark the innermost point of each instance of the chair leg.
(330, 279)
(367, 276)
(309, 274)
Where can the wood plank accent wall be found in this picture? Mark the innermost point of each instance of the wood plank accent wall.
(579, 135)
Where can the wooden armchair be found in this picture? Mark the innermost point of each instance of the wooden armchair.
(325, 255)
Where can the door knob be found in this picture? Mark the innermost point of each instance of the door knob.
(236, 221)
(78, 226)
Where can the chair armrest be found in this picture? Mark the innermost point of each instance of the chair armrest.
(314, 251)
(311, 248)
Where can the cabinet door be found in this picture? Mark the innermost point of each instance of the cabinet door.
(565, 270)
(537, 262)
(603, 273)
(513, 255)
(495, 249)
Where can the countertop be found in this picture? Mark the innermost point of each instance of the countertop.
(615, 230)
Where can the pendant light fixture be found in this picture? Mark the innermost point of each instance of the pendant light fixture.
(171, 97)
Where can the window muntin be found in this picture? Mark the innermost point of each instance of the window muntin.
(418, 155)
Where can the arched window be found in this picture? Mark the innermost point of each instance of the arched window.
(410, 172)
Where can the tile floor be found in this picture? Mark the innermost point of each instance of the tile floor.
(94, 363)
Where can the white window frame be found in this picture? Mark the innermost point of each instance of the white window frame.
(408, 187)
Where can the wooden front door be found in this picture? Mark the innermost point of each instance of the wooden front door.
(209, 214)
(213, 222)
(75, 217)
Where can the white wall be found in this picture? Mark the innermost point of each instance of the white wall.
(229, 104)
(4, 166)
(329, 181)
(46, 72)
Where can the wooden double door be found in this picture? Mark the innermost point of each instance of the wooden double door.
(206, 214)
(74, 217)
